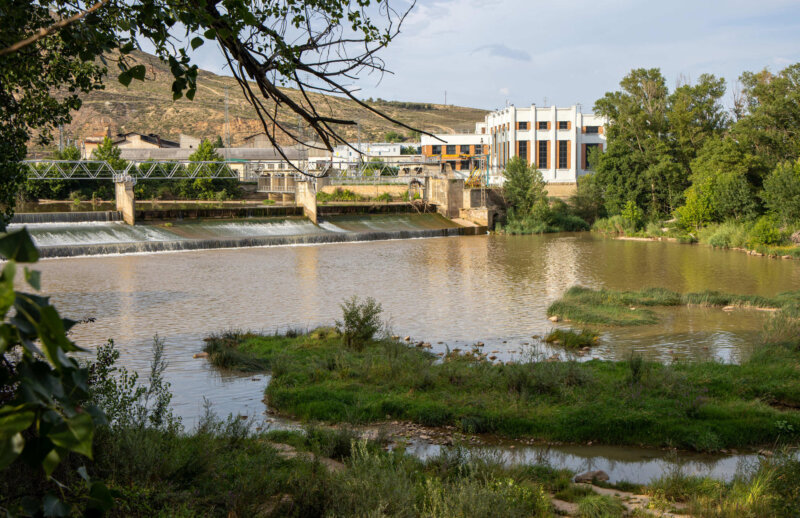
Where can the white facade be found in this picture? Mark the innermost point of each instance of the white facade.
(557, 140)
(369, 149)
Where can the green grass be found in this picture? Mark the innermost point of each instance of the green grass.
(600, 506)
(631, 308)
(570, 339)
(703, 406)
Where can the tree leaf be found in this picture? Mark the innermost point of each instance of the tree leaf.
(76, 435)
(52, 506)
(138, 72)
(18, 246)
(34, 278)
(196, 42)
(125, 77)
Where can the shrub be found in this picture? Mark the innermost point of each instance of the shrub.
(633, 214)
(765, 232)
(384, 197)
(570, 339)
(360, 321)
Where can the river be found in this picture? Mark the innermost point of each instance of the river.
(450, 291)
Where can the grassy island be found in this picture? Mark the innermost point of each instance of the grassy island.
(705, 406)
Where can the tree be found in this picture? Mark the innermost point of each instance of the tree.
(48, 51)
(587, 203)
(205, 152)
(524, 187)
(70, 152)
(782, 192)
(653, 136)
(110, 153)
(771, 126)
(725, 171)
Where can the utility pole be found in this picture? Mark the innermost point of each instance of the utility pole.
(227, 123)
(358, 127)
(60, 138)
(445, 97)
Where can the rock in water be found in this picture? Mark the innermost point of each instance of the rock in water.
(589, 476)
(554, 318)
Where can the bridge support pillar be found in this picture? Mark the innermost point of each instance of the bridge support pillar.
(126, 202)
(306, 197)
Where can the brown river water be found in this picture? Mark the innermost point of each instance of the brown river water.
(456, 290)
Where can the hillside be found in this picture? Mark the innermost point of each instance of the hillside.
(147, 107)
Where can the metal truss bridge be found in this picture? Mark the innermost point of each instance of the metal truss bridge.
(135, 170)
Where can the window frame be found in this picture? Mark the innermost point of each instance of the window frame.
(541, 156)
(563, 156)
(450, 149)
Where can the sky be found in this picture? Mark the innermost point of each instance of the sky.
(489, 53)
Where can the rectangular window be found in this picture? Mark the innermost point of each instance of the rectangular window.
(562, 154)
(464, 150)
(522, 125)
(542, 125)
(451, 150)
(478, 149)
(589, 149)
(542, 162)
(436, 150)
(523, 149)
(592, 129)
(464, 165)
(563, 125)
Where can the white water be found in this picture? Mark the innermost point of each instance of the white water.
(94, 233)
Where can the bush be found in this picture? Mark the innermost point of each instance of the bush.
(600, 506)
(765, 232)
(384, 197)
(633, 215)
(360, 321)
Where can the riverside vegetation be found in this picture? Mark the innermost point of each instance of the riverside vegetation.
(705, 406)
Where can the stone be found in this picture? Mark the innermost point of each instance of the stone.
(200, 355)
(787, 256)
(765, 453)
(395, 337)
(554, 318)
(728, 308)
(407, 339)
(589, 476)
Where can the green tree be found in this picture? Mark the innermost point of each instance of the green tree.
(771, 125)
(206, 152)
(782, 192)
(726, 172)
(698, 210)
(587, 203)
(110, 153)
(70, 152)
(524, 187)
(653, 136)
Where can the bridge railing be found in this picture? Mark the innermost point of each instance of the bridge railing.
(135, 170)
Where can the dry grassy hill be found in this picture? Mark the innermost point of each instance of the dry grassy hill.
(147, 107)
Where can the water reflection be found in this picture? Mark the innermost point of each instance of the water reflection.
(453, 290)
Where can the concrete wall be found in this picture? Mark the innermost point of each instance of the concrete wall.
(126, 203)
(306, 197)
(447, 194)
(561, 190)
(370, 191)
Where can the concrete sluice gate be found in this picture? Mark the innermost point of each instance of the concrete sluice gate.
(82, 238)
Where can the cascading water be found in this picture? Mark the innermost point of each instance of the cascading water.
(96, 238)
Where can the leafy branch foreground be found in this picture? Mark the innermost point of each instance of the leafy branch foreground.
(704, 406)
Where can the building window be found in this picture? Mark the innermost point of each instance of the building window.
(542, 125)
(478, 149)
(593, 129)
(523, 149)
(436, 150)
(542, 162)
(451, 150)
(589, 149)
(563, 125)
(522, 125)
(464, 165)
(465, 150)
(562, 154)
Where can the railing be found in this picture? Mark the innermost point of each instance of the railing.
(133, 169)
(374, 180)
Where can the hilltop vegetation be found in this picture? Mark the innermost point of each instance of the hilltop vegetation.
(147, 107)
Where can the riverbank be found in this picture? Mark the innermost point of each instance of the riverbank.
(701, 406)
(748, 237)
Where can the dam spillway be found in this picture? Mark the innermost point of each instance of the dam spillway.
(71, 239)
